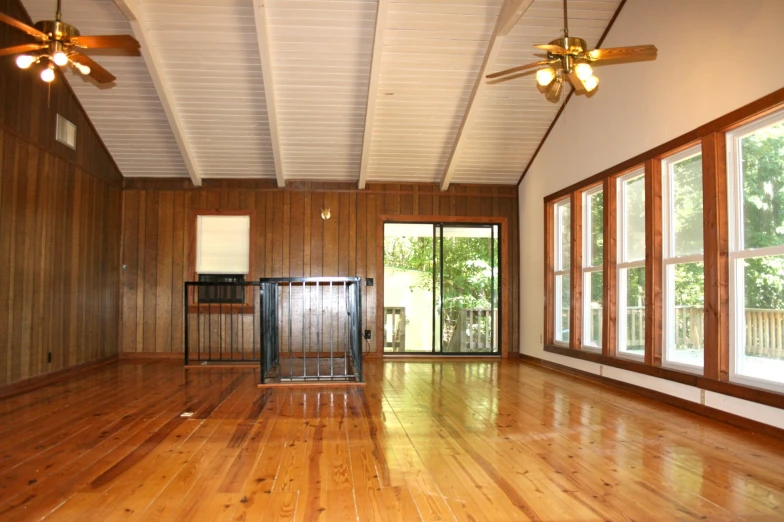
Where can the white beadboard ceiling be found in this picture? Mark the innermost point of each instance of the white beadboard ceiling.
(128, 116)
(390, 79)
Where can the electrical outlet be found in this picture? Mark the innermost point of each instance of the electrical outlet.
(368, 334)
(369, 281)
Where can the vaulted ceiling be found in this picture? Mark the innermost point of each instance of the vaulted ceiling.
(339, 90)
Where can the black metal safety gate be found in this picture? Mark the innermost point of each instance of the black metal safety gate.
(311, 329)
(296, 328)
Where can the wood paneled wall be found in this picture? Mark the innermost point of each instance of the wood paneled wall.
(291, 240)
(59, 227)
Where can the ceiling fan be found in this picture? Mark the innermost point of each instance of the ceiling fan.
(60, 44)
(568, 59)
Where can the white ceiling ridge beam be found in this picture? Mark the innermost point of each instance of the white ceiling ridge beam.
(265, 55)
(130, 9)
(372, 96)
(510, 13)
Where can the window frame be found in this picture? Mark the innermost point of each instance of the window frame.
(716, 235)
(559, 270)
(588, 268)
(247, 306)
(738, 253)
(621, 263)
(670, 259)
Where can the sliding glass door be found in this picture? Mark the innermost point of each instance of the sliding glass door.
(441, 288)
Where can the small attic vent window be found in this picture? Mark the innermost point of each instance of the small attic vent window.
(66, 132)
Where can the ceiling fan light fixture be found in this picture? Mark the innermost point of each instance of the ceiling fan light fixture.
(584, 71)
(555, 89)
(23, 61)
(84, 69)
(545, 77)
(47, 74)
(591, 83)
(60, 58)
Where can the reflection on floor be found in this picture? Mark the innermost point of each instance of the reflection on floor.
(443, 440)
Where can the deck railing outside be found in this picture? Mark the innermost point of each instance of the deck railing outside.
(764, 329)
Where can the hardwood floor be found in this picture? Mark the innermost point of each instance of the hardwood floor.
(450, 440)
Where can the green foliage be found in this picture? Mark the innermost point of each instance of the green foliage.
(762, 158)
(467, 265)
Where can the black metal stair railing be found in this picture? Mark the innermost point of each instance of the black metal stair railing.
(222, 322)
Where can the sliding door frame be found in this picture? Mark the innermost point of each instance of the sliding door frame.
(503, 286)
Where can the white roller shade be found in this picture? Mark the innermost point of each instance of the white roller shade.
(223, 244)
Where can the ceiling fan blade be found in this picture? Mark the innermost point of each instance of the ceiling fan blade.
(18, 49)
(32, 31)
(119, 41)
(518, 69)
(98, 73)
(615, 53)
(550, 48)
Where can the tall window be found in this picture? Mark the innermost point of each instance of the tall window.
(563, 252)
(755, 167)
(683, 289)
(631, 264)
(593, 259)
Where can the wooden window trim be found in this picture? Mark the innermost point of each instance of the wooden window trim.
(225, 308)
(576, 294)
(715, 377)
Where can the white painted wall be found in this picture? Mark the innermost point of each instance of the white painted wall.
(714, 56)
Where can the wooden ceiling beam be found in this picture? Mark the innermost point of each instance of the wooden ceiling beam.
(510, 13)
(130, 9)
(372, 96)
(265, 54)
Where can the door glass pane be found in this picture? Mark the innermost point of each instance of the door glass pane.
(408, 287)
(631, 310)
(761, 322)
(470, 297)
(762, 175)
(634, 219)
(686, 313)
(594, 299)
(687, 206)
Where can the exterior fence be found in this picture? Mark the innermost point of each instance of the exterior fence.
(764, 329)
(476, 331)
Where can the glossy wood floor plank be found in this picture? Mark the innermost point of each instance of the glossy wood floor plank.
(452, 440)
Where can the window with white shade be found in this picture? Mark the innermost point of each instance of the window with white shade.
(593, 267)
(563, 263)
(755, 168)
(683, 289)
(631, 264)
(223, 244)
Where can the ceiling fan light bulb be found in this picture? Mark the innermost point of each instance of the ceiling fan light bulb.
(591, 83)
(544, 77)
(23, 61)
(584, 71)
(47, 74)
(60, 58)
(84, 69)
